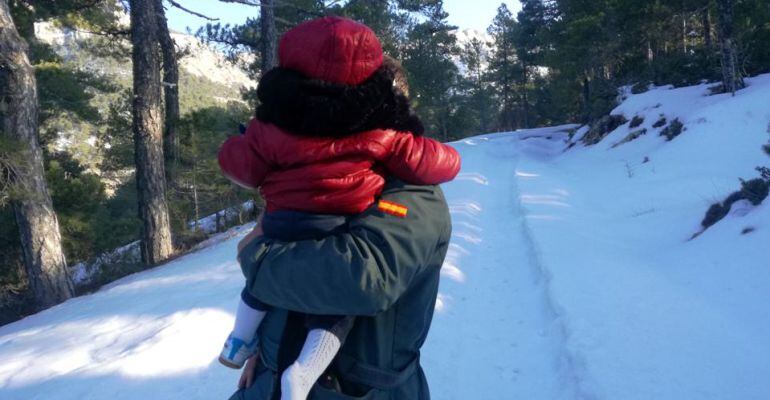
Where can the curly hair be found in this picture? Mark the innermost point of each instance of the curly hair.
(310, 107)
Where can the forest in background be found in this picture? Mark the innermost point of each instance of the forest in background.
(556, 61)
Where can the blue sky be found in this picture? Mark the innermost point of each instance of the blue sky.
(476, 14)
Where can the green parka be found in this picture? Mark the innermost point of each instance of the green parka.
(384, 270)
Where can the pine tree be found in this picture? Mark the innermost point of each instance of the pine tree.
(386, 18)
(427, 56)
(170, 89)
(479, 97)
(269, 35)
(66, 104)
(731, 75)
(752, 24)
(148, 133)
(47, 272)
(504, 67)
(250, 38)
(529, 49)
(202, 189)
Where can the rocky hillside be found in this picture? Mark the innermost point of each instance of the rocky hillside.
(103, 65)
(199, 60)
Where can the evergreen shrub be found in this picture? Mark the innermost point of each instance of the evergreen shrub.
(602, 127)
(673, 130)
(755, 191)
(660, 122)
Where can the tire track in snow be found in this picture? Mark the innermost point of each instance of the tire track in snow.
(496, 335)
(570, 364)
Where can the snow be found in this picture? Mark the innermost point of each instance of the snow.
(208, 223)
(572, 274)
(83, 273)
(480, 344)
(652, 313)
(152, 335)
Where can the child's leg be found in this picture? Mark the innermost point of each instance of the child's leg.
(321, 346)
(248, 317)
(241, 343)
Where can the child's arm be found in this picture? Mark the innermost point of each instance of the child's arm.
(241, 162)
(422, 161)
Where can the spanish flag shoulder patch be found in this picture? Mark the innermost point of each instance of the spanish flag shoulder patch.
(389, 207)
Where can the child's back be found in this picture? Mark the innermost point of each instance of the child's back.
(331, 175)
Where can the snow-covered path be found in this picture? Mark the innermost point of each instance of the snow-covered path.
(155, 335)
(495, 334)
(571, 275)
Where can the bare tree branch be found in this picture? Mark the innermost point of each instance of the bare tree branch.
(284, 21)
(278, 3)
(187, 10)
(7, 173)
(109, 33)
(233, 43)
(335, 2)
(244, 2)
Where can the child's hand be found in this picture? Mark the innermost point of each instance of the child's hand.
(255, 233)
(247, 376)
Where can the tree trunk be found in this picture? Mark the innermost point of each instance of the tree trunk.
(525, 108)
(170, 89)
(196, 206)
(731, 79)
(148, 134)
(46, 267)
(650, 54)
(586, 99)
(524, 97)
(707, 29)
(684, 28)
(196, 203)
(268, 35)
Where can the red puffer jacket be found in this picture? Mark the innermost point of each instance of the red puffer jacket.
(331, 175)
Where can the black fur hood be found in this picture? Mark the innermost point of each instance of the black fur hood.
(310, 107)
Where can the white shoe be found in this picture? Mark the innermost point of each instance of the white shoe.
(235, 352)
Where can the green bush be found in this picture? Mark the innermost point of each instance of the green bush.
(755, 191)
(765, 172)
(636, 121)
(640, 87)
(77, 196)
(674, 129)
(117, 222)
(602, 127)
(660, 122)
(631, 137)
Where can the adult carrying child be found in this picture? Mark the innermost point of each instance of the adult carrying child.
(334, 121)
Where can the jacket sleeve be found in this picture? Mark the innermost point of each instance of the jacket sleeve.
(240, 160)
(363, 271)
(421, 160)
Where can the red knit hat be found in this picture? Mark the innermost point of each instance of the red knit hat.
(331, 49)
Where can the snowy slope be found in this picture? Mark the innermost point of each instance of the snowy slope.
(650, 314)
(571, 275)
